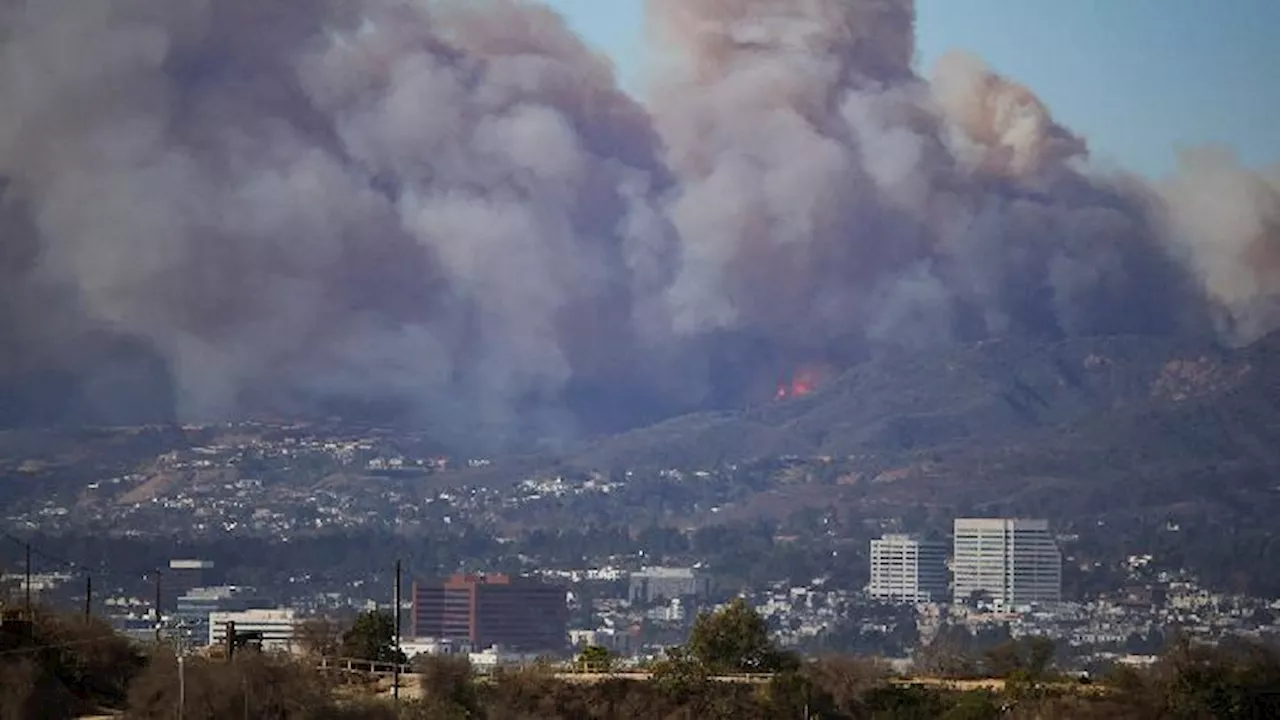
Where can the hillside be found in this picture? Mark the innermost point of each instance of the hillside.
(984, 396)
(1128, 433)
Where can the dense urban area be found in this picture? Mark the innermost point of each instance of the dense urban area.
(270, 525)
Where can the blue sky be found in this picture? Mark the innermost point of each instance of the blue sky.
(1138, 78)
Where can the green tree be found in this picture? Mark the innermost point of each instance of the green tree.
(736, 639)
(596, 658)
(680, 675)
(372, 637)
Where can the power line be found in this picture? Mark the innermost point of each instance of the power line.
(87, 572)
(53, 646)
(51, 557)
(100, 571)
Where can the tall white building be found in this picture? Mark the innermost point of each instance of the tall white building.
(1012, 562)
(278, 627)
(908, 569)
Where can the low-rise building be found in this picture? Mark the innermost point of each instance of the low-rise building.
(277, 628)
(662, 584)
(192, 619)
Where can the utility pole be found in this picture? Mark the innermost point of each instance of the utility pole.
(182, 683)
(395, 674)
(27, 583)
(88, 597)
(180, 653)
(157, 607)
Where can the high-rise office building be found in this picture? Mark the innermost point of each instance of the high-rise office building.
(1011, 562)
(908, 569)
(486, 610)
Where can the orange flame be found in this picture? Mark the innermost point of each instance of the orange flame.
(803, 383)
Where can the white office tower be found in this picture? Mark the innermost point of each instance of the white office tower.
(908, 569)
(1011, 562)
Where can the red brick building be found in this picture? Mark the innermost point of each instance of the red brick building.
(519, 614)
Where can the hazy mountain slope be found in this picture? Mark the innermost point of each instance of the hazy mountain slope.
(990, 395)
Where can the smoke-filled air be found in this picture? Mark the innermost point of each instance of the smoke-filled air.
(449, 213)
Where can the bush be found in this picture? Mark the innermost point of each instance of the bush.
(253, 684)
(448, 685)
(66, 665)
(61, 667)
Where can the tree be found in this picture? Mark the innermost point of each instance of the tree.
(86, 666)
(843, 681)
(1226, 681)
(28, 690)
(736, 639)
(1029, 658)
(680, 676)
(947, 655)
(318, 636)
(448, 687)
(596, 658)
(372, 637)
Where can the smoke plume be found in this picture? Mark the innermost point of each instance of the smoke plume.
(216, 208)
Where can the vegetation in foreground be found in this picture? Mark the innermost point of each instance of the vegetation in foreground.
(64, 667)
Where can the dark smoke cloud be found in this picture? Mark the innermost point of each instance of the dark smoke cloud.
(218, 207)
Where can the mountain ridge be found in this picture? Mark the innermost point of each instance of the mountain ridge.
(992, 392)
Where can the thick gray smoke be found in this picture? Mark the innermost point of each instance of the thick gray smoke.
(217, 207)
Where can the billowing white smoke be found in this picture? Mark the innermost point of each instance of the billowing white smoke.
(372, 198)
(452, 204)
(825, 190)
(1225, 221)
